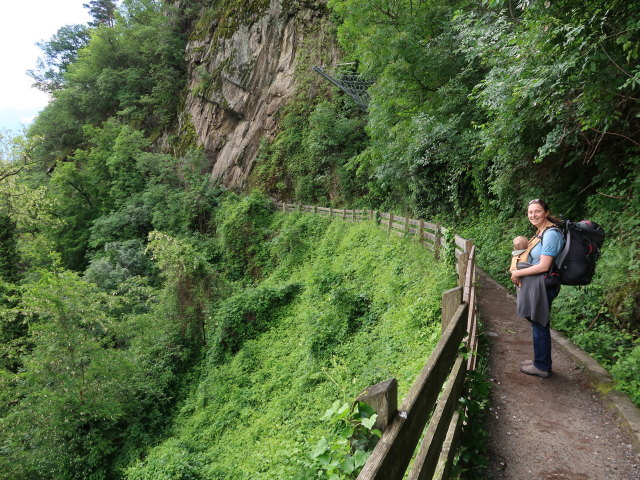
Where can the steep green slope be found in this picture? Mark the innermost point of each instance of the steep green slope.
(362, 307)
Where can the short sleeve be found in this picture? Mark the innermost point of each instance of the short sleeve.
(552, 242)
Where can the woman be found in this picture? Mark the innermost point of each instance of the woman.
(534, 297)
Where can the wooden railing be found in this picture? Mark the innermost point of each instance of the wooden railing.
(432, 403)
(429, 234)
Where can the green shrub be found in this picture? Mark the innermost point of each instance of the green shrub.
(626, 371)
(246, 315)
(244, 223)
(174, 460)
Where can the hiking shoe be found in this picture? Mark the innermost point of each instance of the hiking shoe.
(532, 370)
(524, 363)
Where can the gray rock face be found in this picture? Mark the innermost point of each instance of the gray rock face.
(237, 84)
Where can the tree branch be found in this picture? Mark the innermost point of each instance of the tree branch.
(617, 135)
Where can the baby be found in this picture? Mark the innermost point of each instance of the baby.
(520, 244)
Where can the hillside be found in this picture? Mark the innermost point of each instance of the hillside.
(136, 207)
(346, 307)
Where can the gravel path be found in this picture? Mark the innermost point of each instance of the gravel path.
(555, 428)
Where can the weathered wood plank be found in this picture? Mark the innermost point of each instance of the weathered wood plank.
(469, 268)
(429, 236)
(392, 454)
(397, 225)
(469, 295)
(383, 398)
(434, 227)
(426, 460)
(461, 267)
(460, 242)
(449, 448)
(437, 243)
(451, 300)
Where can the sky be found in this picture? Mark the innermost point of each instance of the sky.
(22, 24)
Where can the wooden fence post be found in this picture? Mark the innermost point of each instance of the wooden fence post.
(437, 242)
(315, 209)
(461, 267)
(451, 300)
(406, 226)
(421, 232)
(390, 222)
(383, 398)
(468, 244)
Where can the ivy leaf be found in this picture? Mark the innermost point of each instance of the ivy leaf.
(321, 447)
(360, 458)
(348, 465)
(324, 459)
(331, 411)
(369, 422)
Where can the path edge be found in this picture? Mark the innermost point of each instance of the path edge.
(626, 412)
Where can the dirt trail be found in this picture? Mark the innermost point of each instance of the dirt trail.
(554, 428)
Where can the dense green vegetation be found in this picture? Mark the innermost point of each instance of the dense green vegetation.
(341, 307)
(153, 324)
(476, 109)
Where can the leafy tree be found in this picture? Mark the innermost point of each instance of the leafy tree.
(190, 284)
(8, 249)
(243, 224)
(559, 95)
(73, 388)
(95, 383)
(102, 11)
(133, 71)
(411, 50)
(308, 160)
(59, 53)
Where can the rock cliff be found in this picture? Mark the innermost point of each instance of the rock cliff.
(240, 77)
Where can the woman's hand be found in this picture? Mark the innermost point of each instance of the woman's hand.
(543, 267)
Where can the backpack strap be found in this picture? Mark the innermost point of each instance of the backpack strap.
(550, 227)
(565, 248)
(567, 243)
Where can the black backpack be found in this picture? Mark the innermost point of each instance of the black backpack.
(576, 263)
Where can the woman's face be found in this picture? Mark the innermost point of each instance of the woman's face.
(537, 215)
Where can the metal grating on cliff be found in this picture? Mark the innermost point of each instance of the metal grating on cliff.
(352, 84)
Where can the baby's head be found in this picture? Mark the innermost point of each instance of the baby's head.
(520, 243)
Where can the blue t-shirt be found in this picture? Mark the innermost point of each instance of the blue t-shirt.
(551, 244)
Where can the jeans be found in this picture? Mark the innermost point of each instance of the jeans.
(542, 338)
